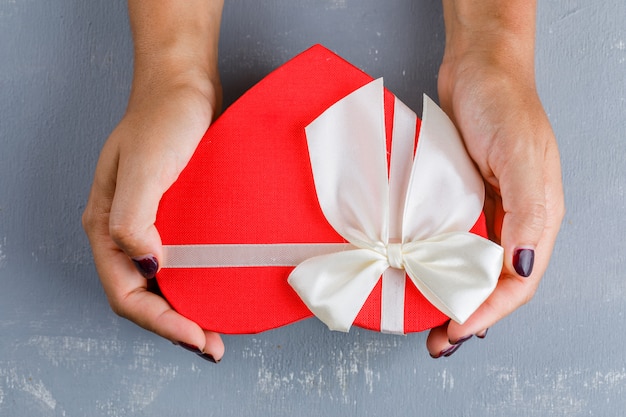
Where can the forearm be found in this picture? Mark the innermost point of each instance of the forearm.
(175, 43)
(502, 32)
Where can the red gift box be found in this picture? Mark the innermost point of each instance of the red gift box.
(250, 182)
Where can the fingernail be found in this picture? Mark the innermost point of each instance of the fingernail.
(447, 351)
(192, 348)
(451, 350)
(208, 357)
(483, 334)
(523, 260)
(146, 265)
(461, 340)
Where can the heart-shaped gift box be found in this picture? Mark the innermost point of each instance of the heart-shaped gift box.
(248, 208)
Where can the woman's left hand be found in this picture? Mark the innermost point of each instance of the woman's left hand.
(491, 97)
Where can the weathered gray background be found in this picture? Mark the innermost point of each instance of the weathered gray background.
(65, 71)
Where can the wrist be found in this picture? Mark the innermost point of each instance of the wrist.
(175, 80)
(490, 34)
(172, 69)
(176, 47)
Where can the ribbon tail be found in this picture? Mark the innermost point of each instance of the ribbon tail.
(335, 286)
(456, 271)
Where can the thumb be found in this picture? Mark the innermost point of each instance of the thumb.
(138, 190)
(522, 189)
(131, 225)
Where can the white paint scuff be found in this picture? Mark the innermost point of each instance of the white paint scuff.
(512, 391)
(15, 381)
(447, 380)
(343, 369)
(337, 4)
(80, 354)
(70, 351)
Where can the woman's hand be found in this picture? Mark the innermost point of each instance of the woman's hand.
(175, 95)
(487, 86)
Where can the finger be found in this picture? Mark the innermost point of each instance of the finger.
(138, 189)
(437, 341)
(214, 345)
(509, 294)
(439, 344)
(521, 181)
(512, 292)
(128, 295)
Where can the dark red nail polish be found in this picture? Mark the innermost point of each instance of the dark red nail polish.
(190, 348)
(194, 349)
(146, 265)
(450, 350)
(461, 340)
(447, 351)
(523, 260)
(208, 357)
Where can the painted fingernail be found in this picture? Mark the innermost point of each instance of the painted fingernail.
(447, 351)
(523, 260)
(450, 351)
(208, 357)
(190, 348)
(461, 340)
(194, 349)
(483, 334)
(146, 265)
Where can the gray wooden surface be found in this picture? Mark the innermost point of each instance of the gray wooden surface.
(65, 70)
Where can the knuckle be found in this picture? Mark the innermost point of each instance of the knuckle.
(117, 306)
(117, 309)
(87, 220)
(531, 219)
(536, 215)
(124, 234)
(95, 217)
(91, 220)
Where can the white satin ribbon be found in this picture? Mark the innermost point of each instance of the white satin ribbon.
(432, 200)
(245, 254)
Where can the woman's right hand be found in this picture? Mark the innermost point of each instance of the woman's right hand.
(175, 95)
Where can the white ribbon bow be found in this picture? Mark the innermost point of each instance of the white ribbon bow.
(414, 219)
